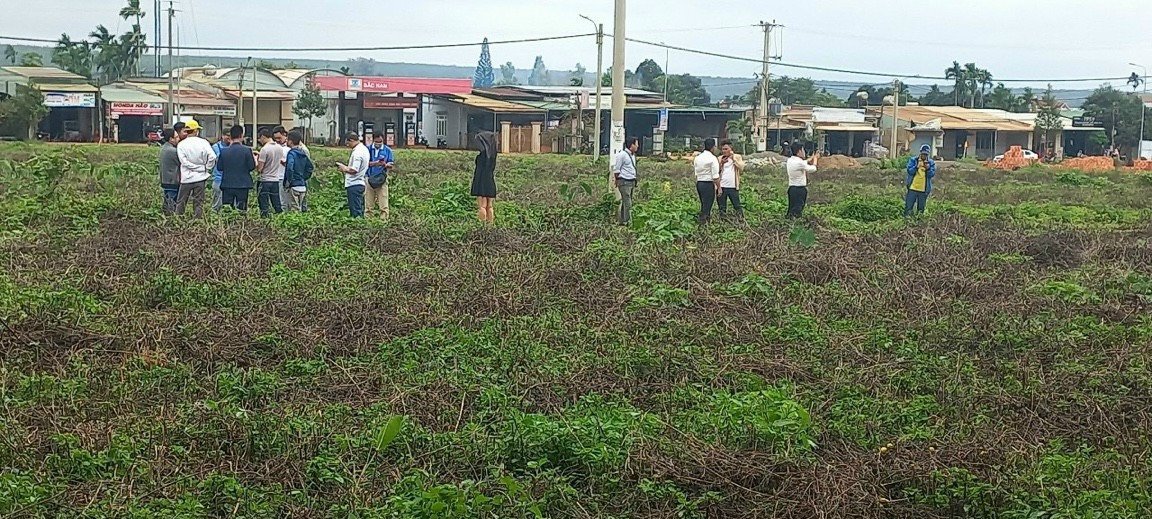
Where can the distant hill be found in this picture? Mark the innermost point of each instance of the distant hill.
(717, 87)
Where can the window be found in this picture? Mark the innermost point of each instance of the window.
(441, 125)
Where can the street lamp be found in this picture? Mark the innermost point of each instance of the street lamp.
(599, 83)
(1143, 106)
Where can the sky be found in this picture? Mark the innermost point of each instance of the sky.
(1014, 39)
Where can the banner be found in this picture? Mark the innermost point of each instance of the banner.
(225, 111)
(410, 85)
(663, 119)
(69, 99)
(396, 103)
(146, 109)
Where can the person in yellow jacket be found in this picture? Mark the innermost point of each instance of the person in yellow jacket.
(921, 170)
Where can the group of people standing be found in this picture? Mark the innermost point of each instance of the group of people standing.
(718, 179)
(283, 167)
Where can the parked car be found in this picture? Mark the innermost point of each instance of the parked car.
(1028, 155)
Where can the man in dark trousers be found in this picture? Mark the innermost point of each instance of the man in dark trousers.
(237, 163)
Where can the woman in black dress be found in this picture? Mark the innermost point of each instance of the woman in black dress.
(484, 179)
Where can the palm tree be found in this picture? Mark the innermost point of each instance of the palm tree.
(73, 56)
(956, 73)
(1027, 100)
(985, 79)
(972, 75)
(133, 10)
(10, 54)
(133, 45)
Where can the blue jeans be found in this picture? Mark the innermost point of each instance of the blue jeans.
(355, 201)
(171, 193)
(919, 199)
(268, 197)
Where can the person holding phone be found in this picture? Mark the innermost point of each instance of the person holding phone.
(380, 165)
(484, 177)
(798, 167)
(921, 170)
(355, 173)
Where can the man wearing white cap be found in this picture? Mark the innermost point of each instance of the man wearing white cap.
(196, 164)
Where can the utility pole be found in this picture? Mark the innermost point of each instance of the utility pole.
(762, 117)
(255, 114)
(599, 85)
(156, 46)
(618, 132)
(895, 115)
(171, 71)
(665, 75)
(1143, 107)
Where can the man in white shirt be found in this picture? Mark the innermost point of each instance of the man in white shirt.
(798, 169)
(355, 173)
(624, 178)
(707, 179)
(197, 161)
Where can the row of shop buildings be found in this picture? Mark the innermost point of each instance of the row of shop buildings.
(441, 112)
(436, 112)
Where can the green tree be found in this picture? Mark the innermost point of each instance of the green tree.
(31, 59)
(650, 76)
(539, 75)
(10, 54)
(1003, 98)
(1048, 120)
(508, 74)
(133, 10)
(936, 97)
(1135, 81)
(1120, 113)
(742, 127)
(266, 65)
(24, 110)
(73, 56)
(686, 89)
(484, 77)
(310, 103)
(958, 74)
(577, 76)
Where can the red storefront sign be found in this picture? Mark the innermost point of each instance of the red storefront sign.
(409, 85)
(395, 103)
(118, 109)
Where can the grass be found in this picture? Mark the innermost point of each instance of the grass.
(987, 360)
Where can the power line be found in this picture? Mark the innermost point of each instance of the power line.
(634, 40)
(343, 49)
(858, 72)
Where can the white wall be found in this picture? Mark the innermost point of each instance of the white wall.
(456, 124)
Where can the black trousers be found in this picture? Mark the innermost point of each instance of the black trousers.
(733, 194)
(269, 198)
(237, 198)
(707, 192)
(797, 197)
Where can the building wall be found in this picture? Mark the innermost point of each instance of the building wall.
(454, 126)
(1005, 140)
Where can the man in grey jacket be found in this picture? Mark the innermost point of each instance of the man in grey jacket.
(170, 170)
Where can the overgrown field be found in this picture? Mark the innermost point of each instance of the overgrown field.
(990, 360)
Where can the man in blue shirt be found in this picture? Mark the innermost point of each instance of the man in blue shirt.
(217, 199)
(379, 166)
(236, 164)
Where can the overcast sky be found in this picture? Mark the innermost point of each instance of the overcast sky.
(1012, 38)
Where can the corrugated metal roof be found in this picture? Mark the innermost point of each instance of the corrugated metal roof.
(65, 87)
(845, 127)
(36, 73)
(493, 105)
(570, 90)
(120, 94)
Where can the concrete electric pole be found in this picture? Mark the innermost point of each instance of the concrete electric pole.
(762, 115)
(171, 71)
(599, 85)
(618, 132)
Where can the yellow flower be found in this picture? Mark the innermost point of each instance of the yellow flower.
(667, 187)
